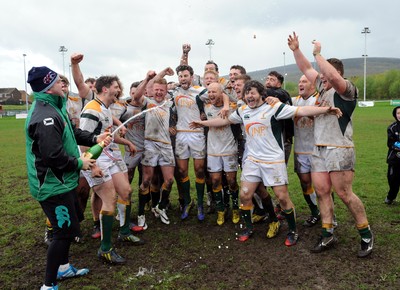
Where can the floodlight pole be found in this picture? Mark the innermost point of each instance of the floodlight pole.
(26, 89)
(70, 82)
(210, 43)
(284, 71)
(365, 32)
(63, 50)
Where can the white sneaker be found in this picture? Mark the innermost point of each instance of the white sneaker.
(142, 221)
(163, 215)
(44, 287)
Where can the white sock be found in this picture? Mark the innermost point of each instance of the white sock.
(63, 268)
(121, 212)
(313, 197)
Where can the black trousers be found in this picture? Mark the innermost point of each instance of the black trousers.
(61, 211)
(393, 176)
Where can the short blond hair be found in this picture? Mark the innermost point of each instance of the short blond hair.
(160, 81)
(214, 73)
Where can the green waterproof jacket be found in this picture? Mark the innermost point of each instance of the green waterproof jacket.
(52, 154)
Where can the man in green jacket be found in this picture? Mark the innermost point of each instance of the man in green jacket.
(53, 163)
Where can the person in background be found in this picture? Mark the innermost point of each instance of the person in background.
(234, 71)
(393, 157)
(304, 145)
(273, 83)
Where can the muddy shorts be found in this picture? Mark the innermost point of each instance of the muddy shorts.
(190, 144)
(222, 163)
(157, 153)
(327, 159)
(133, 161)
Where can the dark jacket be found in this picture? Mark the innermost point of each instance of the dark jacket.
(393, 132)
(52, 153)
(284, 97)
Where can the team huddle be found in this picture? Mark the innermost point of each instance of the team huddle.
(223, 125)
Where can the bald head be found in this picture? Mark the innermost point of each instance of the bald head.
(215, 94)
(215, 87)
(306, 88)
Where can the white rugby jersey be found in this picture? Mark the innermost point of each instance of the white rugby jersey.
(304, 126)
(328, 129)
(157, 121)
(96, 117)
(264, 142)
(220, 140)
(74, 106)
(187, 108)
(135, 128)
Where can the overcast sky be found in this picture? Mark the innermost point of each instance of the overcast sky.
(129, 37)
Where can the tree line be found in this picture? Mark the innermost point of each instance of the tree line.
(383, 86)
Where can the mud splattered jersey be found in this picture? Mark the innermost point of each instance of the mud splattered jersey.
(157, 121)
(135, 128)
(220, 140)
(187, 108)
(330, 130)
(304, 126)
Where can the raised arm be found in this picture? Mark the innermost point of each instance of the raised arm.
(329, 72)
(139, 94)
(165, 72)
(301, 61)
(185, 54)
(83, 88)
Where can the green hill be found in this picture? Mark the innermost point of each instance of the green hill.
(352, 67)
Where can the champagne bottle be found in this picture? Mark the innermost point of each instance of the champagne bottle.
(95, 151)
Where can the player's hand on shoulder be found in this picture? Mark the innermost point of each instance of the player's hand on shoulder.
(271, 100)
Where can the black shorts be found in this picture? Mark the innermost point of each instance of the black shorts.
(60, 210)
